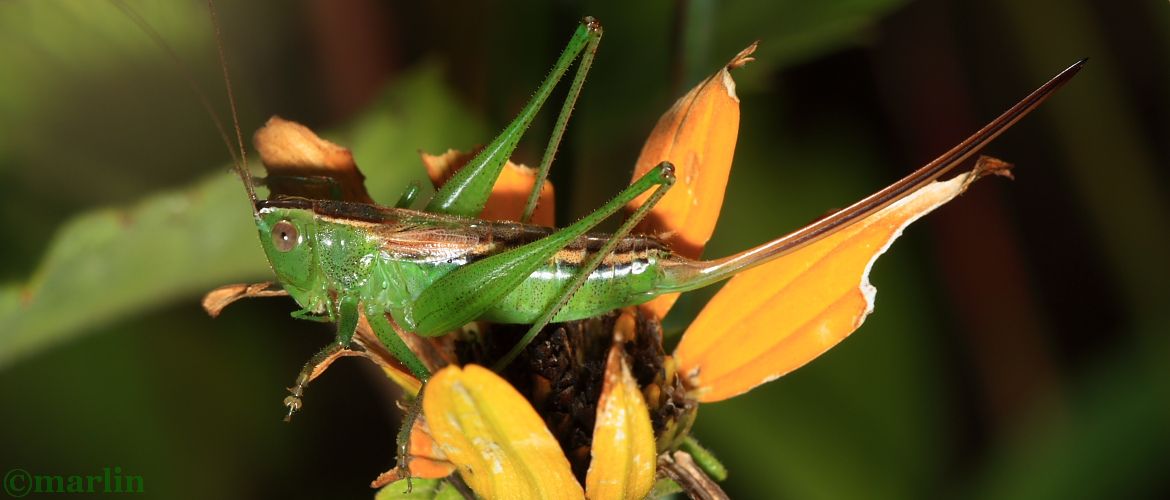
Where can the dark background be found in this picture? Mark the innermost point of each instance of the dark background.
(1019, 348)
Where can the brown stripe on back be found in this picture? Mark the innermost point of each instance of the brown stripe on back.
(427, 236)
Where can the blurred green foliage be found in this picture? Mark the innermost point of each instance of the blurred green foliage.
(1043, 376)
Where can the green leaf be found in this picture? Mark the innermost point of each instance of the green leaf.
(419, 489)
(105, 264)
(109, 263)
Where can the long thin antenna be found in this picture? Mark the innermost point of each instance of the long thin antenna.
(161, 43)
(242, 166)
(239, 160)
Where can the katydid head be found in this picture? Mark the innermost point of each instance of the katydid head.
(287, 236)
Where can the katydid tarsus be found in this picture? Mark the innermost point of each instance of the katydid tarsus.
(430, 272)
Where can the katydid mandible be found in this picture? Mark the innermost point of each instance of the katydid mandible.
(430, 272)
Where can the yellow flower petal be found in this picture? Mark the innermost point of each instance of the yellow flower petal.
(624, 458)
(775, 318)
(402, 378)
(697, 134)
(489, 431)
(509, 194)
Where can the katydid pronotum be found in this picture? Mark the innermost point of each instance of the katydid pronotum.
(430, 272)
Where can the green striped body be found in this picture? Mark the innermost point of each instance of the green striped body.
(388, 257)
(628, 280)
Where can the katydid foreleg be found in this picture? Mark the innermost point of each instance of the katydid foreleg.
(347, 313)
(346, 326)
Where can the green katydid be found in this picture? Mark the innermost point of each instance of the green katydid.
(429, 272)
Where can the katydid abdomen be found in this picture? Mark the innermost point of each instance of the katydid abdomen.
(626, 277)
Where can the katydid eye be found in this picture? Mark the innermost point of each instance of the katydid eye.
(284, 236)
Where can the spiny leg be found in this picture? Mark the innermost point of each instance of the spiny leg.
(587, 268)
(293, 401)
(409, 417)
(387, 334)
(469, 291)
(554, 140)
(347, 309)
(348, 318)
(467, 191)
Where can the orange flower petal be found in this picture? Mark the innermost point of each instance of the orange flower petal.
(697, 134)
(294, 156)
(624, 458)
(775, 318)
(489, 431)
(216, 300)
(426, 458)
(506, 202)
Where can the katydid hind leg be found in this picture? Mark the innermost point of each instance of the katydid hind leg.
(467, 191)
(469, 291)
(591, 264)
(554, 140)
